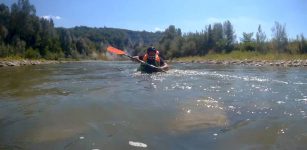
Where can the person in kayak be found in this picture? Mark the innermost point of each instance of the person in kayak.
(151, 57)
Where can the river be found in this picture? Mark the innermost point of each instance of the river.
(108, 105)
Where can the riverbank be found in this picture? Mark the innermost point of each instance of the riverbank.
(11, 62)
(24, 62)
(234, 58)
(285, 63)
(288, 63)
(247, 58)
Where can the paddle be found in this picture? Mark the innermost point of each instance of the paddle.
(120, 52)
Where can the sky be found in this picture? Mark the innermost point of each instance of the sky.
(188, 15)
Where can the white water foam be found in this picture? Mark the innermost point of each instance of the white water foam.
(179, 73)
(299, 83)
(137, 144)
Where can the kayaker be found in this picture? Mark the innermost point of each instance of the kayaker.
(152, 57)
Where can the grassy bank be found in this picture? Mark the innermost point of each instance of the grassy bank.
(239, 55)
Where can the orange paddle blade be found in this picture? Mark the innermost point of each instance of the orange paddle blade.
(115, 50)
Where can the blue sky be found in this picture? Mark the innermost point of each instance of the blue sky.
(188, 15)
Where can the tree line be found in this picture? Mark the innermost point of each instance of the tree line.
(26, 35)
(221, 38)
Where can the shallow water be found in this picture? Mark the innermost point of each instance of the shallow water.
(108, 105)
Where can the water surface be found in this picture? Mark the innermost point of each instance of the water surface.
(106, 105)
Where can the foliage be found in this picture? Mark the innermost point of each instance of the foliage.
(25, 35)
(21, 30)
(248, 43)
(280, 40)
(260, 40)
(32, 54)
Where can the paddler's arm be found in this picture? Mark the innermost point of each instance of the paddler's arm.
(135, 58)
(164, 65)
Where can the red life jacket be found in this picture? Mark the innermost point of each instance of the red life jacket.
(157, 59)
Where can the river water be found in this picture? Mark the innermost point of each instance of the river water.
(108, 105)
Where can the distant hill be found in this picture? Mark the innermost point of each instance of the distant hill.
(121, 38)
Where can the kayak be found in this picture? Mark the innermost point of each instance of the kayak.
(149, 69)
(144, 67)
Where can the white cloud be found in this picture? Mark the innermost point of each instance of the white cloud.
(158, 29)
(57, 17)
(52, 17)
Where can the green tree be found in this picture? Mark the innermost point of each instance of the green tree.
(4, 15)
(189, 48)
(47, 38)
(210, 37)
(4, 22)
(22, 17)
(248, 42)
(66, 40)
(19, 46)
(229, 36)
(302, 45)
(260, 40)
(175, 48)
(32, 54)
(84, 46)
(201, 41)
(171, 41)
(280, 39)
(3, 33)
(218, 39)
(4, 50)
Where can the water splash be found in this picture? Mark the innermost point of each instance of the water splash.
(181, 73)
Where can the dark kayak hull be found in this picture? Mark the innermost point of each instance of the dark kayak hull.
(149, 71)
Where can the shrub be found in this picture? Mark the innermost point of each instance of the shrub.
(32, 54)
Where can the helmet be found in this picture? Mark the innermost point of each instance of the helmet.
(151, 49)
